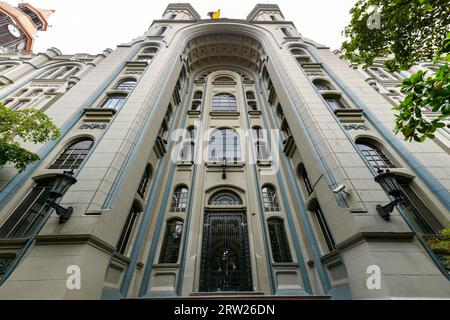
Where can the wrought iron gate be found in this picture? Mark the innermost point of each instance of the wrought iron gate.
(225, 264)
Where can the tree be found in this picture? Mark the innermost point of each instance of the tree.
(28, 125)
(425, 92)
(409, 31)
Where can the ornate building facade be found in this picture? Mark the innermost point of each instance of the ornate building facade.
(218, 157)
(19, 26)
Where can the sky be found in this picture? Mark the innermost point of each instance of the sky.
(90, 26)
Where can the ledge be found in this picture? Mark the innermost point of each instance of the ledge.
(237, 164)
(332, 258)
(142, 64)
(75, 239)
(98, 114)
(12, 243)
(351, 115)
(224, 114)
(282, 265)
(254, 112)
(375, 237)
(194, 112)
(157, 266)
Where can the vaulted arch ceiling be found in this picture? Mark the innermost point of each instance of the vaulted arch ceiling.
(223, 49)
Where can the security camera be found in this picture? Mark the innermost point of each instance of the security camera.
(340, 188)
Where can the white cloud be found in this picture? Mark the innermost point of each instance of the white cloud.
(89, 26)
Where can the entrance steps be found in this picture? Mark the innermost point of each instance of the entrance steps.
(241, 295)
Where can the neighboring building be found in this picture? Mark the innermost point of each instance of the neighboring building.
(388, 85)
(245, 198)
(19, 26)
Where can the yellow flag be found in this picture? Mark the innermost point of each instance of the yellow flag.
(214, 14)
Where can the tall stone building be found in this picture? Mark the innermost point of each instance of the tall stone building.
(218, 157)
(19, 26)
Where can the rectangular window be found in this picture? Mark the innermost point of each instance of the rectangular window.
(114, 102)
(324, 229)
(308, 186)
(334, 103)
(19, 105)
(127, 230)
(28, 215)
(420, 215)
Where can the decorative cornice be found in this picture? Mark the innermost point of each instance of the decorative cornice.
(75, 239)
(375, 237)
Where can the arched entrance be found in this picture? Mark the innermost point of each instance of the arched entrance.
(225, 262)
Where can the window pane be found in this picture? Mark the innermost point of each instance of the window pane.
(28, 215)
(374, 156)
(270, 199)
(179, 200)
(127, 230)
(225, 198)
(225, 143)
(144, 181)
(126, 85)
(224, 102)
(278, 241)
(324, 229)
(172, 240)
(73, 156)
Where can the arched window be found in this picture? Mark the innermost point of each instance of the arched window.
(278, 241)
(126, 85)
(224, 143)
(145, 180)
(144, 58)
(114, 101)
(270, 198)
(257, 132)
(172, 241)
(375, 156)
(73, 156)
(224, 102)
(150, 50)
(179, 199)
(298, 52)
(225, 198)
(60, 72)
(250, 95)
(128, 228)
(198, 95)
(322, 85)
(191, 133)
(224, 79)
